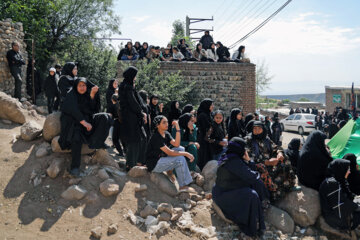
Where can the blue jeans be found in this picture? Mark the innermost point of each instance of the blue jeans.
(179, 164)
(124, 57)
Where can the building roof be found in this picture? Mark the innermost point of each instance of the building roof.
(341, 87)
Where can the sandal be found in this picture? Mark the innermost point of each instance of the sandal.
(171, 176)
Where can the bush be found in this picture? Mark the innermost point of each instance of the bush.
(169, 87)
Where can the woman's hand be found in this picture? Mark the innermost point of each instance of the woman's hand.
(161, 106)
(87, 125)
(223, 143)
(189, 156)
(175, 124)
(94, 90)
(145, 118)
(280, 157)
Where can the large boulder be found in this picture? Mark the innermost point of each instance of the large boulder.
(164, 184)
(339, 234)
(104, 158)
(30, 130)
(209, 173)
(57, 149)
(303, 206)
(11, 109)
(52, 126)
(280, 220)
(74, 192)
(138, 171)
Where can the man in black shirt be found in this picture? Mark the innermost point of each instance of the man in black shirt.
(16, 61)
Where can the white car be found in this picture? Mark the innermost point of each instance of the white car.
(300, 122)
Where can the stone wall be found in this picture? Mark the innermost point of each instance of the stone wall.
(230, 85)
(10, 32)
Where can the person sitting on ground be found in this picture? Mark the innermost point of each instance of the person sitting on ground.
(206, 40)
(160, 158)
(137, 46)
(211, 53)
(177, 56)
(52, 91)
(133, 119)
(66, 81)
(313, 161)
(354, 177)
(143, 50)
(114, 110)
(166, 55)
(222, 52)
(239, 190)
(216, 136)
(239, 55)
(81, 122)
(188, 133)
(293, 152)
(175, 112)
(130, 52)
(155, 108)
(336, 200)
(234, 129)
(184, 48)
(199, 54)
(274, 166)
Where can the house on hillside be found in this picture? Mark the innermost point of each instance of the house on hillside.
(340, 96)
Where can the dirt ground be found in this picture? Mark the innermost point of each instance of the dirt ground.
(28, 212)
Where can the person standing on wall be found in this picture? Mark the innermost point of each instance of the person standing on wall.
(15, 61)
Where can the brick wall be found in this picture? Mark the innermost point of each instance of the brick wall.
(228, 84)
(10, 32)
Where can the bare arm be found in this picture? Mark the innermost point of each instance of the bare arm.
(176, 142)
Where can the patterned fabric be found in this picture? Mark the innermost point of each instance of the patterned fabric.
(278, 179)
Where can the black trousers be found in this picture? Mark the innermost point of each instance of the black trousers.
(16, 73)
(135, 153)
(116, 136)
(53, 103)
(101, 124)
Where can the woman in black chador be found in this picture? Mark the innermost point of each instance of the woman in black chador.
(293, 152)
(354, 177)
(313, 161)
(204, 124)
(67, 79)
(133, 119)
(81, 123)
(239, 191)
(234, 127)
(336, 199)
(174, 112)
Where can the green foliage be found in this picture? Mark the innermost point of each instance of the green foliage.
(285, 101)
(303, 99)
(265, 103)
(169, 87)
(179, 33)
(54, 24)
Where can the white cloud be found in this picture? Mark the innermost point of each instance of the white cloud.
(306, 33)
(140, 19)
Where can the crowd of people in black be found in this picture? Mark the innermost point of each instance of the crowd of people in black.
(206, 50)
(329, 123)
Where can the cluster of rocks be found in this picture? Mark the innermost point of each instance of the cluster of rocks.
(10, 32)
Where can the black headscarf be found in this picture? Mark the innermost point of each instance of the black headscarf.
(109, 92)
(342, 123)
(183, 123)
(237, 146)
(129, 75)
(233, 127)
(352, 158)
(205, 106)
(293, 151)
(248, 118)
(67, 69)
(261, 136)
(111, 84)
(174, 112)
(313, 161)
(338, 169)
(187, 109)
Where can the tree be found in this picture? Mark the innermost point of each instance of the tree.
(54, 24)
(263, 80)
(169, 87)
(179, 33)
(303, 99)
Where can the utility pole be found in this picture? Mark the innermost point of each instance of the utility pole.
(189, 31)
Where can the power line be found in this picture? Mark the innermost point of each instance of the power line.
(244, 8)
(251, 18)
(260, 25)
(223, 12)
(222, 4)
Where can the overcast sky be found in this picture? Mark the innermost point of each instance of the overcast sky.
(310, 44)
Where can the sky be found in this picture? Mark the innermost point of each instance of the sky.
(308, 45)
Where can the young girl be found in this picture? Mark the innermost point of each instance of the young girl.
(234, 129)
(188, 137)
(161, 158)
(216, 136)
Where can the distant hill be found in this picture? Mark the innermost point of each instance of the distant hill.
(316, 97)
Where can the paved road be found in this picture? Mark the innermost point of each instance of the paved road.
(287, 136)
